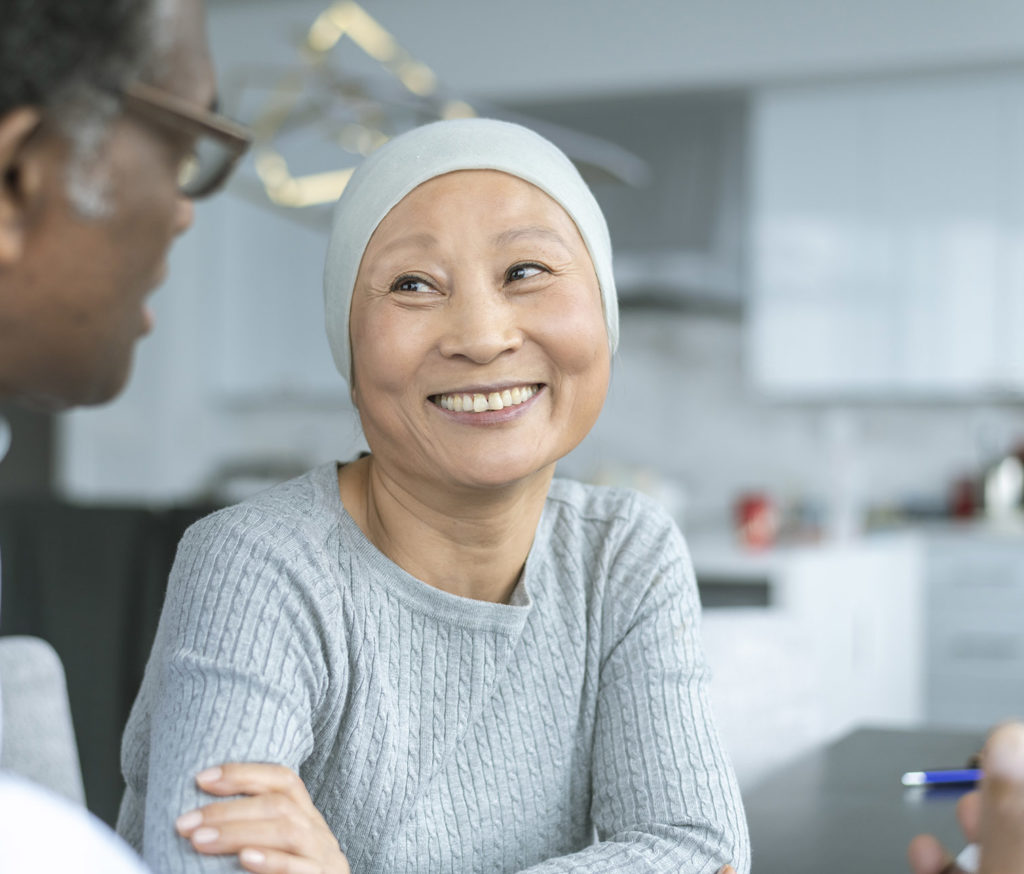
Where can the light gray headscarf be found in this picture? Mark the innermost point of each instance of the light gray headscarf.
(419, 155)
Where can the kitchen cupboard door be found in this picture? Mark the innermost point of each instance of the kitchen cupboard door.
(975, 648)
(886, 237)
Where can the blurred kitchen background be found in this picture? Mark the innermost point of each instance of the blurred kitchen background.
(818, 215)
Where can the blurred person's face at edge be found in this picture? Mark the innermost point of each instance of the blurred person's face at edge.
(73, 286)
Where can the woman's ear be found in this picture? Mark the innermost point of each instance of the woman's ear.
(21, 178)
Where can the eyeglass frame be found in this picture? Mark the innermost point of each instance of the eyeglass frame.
(174, 111)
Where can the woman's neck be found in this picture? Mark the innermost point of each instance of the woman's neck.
(469, 543)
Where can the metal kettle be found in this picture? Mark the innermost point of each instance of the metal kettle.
(1003, 486)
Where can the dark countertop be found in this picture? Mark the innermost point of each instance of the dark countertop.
(842, 808)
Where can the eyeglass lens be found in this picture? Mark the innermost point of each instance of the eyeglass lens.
(205, 168)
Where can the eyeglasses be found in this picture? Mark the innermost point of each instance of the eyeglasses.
(219, 141)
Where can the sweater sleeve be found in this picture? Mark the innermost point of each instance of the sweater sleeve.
(665, 797)
(235, 675)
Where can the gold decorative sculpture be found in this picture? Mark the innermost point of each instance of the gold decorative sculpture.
(358, 136)
(359, 114)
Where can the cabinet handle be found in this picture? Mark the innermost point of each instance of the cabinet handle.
(986, 647)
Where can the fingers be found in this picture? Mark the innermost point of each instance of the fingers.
(292, 837)
(269, 821)
(251, 807)
(727, 869)
(1002, 802)
(273, 862)
(274, 828)
(927, 856)
(249, 778)
(968, 814)
(228, 826)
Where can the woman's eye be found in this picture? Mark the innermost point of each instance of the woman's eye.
(414, 284)
(524, 271)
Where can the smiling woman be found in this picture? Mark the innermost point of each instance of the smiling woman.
(472, 665)
(448, 303)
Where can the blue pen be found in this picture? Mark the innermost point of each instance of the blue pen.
(934, 778)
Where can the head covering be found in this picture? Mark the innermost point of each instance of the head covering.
(397, 167)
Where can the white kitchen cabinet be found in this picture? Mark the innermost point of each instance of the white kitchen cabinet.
(925, 626)
(839, 643)
(975, 630)
(888, 237)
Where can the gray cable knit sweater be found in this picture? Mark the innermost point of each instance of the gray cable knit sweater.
(566, 731)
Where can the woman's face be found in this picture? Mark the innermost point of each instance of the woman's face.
(480, 355)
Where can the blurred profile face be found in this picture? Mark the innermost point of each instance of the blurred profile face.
(480, 354)
(73, 305)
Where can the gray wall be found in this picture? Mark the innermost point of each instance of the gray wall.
(534, 48)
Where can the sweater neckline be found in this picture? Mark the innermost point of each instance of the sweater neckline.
(455, 609)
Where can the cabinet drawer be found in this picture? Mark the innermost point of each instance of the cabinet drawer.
(982, 578)
(975, 618)
(978, 652)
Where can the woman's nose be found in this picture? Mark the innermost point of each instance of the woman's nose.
(481, 326)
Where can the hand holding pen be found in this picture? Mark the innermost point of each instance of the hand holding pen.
(992, 818)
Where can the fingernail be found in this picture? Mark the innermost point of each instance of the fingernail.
(209, 775)
(253, 857)
(1004, 752)
(205, 835)
(188, 821)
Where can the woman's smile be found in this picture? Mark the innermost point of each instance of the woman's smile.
(483, 401)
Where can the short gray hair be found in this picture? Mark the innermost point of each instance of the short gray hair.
(66, 58)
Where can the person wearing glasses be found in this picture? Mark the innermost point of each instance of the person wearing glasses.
(108, 132)
(102, 160)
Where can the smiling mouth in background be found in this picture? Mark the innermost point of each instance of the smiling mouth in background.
(479, 402)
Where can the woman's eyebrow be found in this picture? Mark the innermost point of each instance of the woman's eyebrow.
(423, 240)
(514, 234)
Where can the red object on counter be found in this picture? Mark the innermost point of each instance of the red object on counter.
(757, 520)
(963, 498)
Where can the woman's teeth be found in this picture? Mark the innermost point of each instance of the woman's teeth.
(480, 403)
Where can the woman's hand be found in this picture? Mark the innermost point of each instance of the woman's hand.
(274, 830)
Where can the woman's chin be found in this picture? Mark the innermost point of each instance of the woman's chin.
(506, 474)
